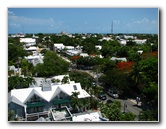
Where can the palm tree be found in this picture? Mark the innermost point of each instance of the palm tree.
(75, 102)
(65, 80)
(85, 103)
(137, 75)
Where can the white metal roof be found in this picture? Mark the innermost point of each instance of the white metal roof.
(27, 40)
(93, 116)
(58, 44)
(121, 59)
(31, 48)
(23, 95)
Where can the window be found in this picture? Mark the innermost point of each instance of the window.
(19, 112)
(75, 87)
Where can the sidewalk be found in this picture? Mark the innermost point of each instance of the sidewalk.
(134, 101)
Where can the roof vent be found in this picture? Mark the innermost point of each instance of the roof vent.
(46, 86)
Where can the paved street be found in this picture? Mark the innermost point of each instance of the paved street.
(131, 106)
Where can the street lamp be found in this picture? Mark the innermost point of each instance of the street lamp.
(125, 106)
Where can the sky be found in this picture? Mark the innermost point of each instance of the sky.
(83, 20)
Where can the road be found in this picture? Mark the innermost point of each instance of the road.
(128, 105)
(131, 106)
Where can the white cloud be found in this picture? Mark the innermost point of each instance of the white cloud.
(10, 13)
(13, 25)
(142, 21)
(18, 21)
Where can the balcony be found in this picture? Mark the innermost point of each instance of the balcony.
(61, 101)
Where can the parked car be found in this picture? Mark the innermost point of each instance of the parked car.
(103, 97)
(113, 94)
(109, 101)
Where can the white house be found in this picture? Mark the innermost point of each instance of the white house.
(105, 38)
(34, 101)
(31, 48)
(58, 46)
(17, 35)
(140, 41)
(84, 54)
(122, 42)
(15, 70)
(28, 41)
(128, 37)
(79, 48)
(72, 52)
(123, 59)
(140, 51)
(69, 47)
(35, 59)
(99, 47)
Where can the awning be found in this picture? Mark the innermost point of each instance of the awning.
(35, 104)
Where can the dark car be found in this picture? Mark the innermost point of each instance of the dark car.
(103, 97)
(109, 101)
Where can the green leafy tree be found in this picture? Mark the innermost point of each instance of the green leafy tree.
(19, 82)
(112, 111)
(26, 67)
(47, 41)
(122, 51)
(128, 116)
(150, 93)
(14, 52)
(75, 102)
(137, 75)
(97, 90)
(53, 65)
(11, 115)
(83, 78)
(150, 68)
(65, 80)
(55, 80)
(146, 115)
(94, 103)
(131, 43)
(85, 103)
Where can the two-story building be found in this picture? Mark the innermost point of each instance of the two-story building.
(36, 101)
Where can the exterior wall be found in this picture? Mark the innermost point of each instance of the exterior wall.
(19, 111)
(140, 41)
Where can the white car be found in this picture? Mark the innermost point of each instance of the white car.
(113, 94)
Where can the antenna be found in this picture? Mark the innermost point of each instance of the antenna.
(112, 27)
(23, 30)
